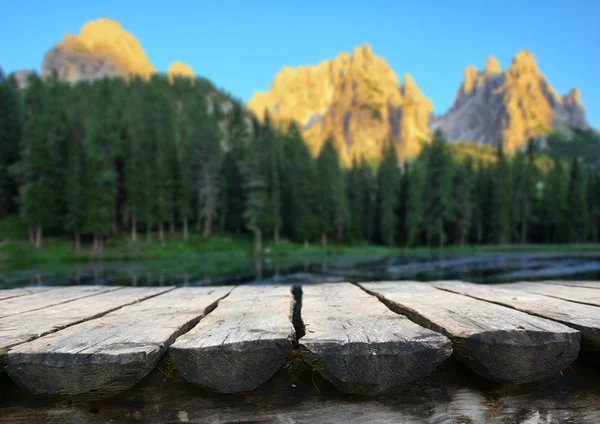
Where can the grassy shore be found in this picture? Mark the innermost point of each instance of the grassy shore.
(16, 251)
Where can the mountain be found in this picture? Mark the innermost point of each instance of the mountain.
(512, 106)
(102, 49)
(356, 98)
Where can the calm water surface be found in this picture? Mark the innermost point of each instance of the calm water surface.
(481, 268)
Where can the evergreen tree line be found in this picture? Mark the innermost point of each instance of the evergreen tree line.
(152, 158)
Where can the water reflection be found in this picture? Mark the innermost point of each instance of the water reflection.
(482, 268)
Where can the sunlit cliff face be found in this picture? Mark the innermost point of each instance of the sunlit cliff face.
(356, 98)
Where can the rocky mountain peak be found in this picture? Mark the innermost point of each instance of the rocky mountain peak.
(354, 97)
(511, 106)
(180, 69)
(102, 48)
(492, 66)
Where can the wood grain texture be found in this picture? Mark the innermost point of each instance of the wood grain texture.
(10, 293)
(497, 342)
(44, 299)
(584, 318)
(586, 295)
(588, 284)
(242, 343)
(354, 341)
(112, 353)
(17, 329)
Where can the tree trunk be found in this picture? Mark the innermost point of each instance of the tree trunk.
(462, 239)
(133, 229)
(172, 227)
(38, 237)
(324, 239)
(208, 222)
(95, 245)
(186, 234)
(31, 232)
(77, 242)
(148, 233)
(305, 243)
(524, 232)
(161, 232)
(257, 242)
(101, 244)
(115, 220)
(276, 236)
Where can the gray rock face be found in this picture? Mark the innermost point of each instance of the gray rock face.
(476, 116)
(510, 106)
(73, 66)
(22, 77)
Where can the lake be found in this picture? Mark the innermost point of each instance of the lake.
(227, 270)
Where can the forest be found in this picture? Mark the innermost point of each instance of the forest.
(162, 157)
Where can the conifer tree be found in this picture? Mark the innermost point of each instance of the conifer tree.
(414, 214)
(331, 197)
(437, 200)
(298, 185)
(102, 135)
(463, 202)
(501, 195)
(576, 205)
(255, 186)
(10, 135)
(554, 203)
(388, 186)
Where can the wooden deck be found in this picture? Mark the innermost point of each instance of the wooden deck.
(366, 338)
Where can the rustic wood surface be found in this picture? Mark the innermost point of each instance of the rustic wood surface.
(497, 342)
(10, 293)
(589, 284)
(451, 394)
(18, 329)
(110, 354)
(242, 343)
(586, 295)
(357, 343)
(44, 299)
(584, 318)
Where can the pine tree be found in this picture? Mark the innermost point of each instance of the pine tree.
(272, 151)
(331, 196)
(298, 185)
(415, 175)
(207, 162)
(576, 205)
(255, 186)
(523, 193)
(554, 203)
(388, 186)
(75, 167)
(232, 186)
(593, 203)
(38, 172)
(463, 202)
(102, 135)
(10, 135)
(437, 199)
(501, 194)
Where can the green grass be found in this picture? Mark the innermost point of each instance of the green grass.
(225, 251)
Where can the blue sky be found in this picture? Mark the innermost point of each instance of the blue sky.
(241, 45)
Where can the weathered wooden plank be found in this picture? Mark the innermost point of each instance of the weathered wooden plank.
(44, 299)
(112, 353)
(584, 318)
(10, 293)
(354, 341)
(242, 343)
(497, 342)
(17, 329)
(586, 295)
(588, 284)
